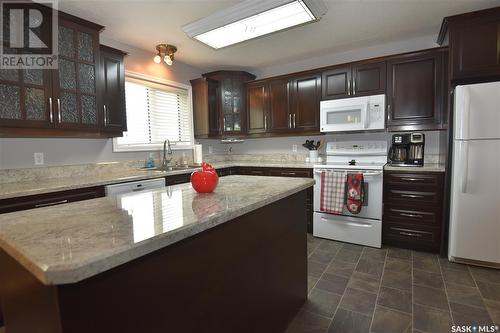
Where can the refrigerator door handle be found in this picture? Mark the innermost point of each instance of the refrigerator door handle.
(466, 120)
(465, 154)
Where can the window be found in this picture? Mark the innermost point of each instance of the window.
(156, 111)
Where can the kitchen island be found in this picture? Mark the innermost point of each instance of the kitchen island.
(166, 260)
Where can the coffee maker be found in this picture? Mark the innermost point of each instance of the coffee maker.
(407, 149)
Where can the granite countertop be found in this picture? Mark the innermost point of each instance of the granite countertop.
(427, 167)
(24, 188)
(71, 242)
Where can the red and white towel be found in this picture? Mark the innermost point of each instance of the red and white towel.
(332, 196)
(355, 192)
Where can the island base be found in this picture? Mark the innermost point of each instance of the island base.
(246, 275)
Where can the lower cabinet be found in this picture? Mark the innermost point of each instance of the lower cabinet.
(50, 199)
(285, 172)
(413, 210)
(178, 179)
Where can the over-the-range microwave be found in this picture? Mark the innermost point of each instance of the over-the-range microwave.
(353, 114)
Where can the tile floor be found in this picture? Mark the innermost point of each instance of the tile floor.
(359, 289)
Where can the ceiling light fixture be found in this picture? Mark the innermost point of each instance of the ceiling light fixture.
(165, 52)
(251, 19)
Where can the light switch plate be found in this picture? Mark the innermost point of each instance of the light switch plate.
(38, 157)
(294, 148)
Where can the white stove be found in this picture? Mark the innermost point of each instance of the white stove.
(365, 228)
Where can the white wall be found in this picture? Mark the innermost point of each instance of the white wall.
(402, 46)
(18, 152)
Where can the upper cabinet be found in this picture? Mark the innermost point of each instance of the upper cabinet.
(305, 95)
(284, 106)
(474, 44)
(352, 80)
(220, 103)
(75, 95)
(83, 97)
(205, 108)
(114, 116)
(415, 91)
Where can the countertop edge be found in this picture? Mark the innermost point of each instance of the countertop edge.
(60, 276)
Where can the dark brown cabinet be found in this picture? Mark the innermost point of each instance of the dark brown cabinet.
(50, 199)
(282, 106)
(205, 108)
(415, 91)
(305, 96)
(279, 106)
(413, 210)
(336, 83)
(474, 44)
(75, 92)
(358, 79)
(220, 104)
(257, 108)
(114, 116)
(284, 172)
(67, 101)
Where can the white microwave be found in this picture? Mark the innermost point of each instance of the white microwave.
(353, 114)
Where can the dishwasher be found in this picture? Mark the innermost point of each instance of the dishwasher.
(134, 186)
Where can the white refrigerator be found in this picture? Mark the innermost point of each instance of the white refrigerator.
(475, 190)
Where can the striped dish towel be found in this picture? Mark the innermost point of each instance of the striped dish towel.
(332, 195)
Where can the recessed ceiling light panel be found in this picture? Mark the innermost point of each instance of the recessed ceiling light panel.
(251, 19)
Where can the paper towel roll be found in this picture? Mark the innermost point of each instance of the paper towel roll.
(198, 154)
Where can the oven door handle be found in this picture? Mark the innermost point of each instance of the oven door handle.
(365, 174)
(353, 224)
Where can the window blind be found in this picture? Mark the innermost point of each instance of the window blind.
(156, 112)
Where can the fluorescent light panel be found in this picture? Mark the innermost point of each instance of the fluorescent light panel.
(289, 14)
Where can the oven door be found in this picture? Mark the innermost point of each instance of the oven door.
(338, 116)
(372, 206)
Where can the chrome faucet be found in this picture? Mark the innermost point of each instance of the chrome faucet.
(166, 150)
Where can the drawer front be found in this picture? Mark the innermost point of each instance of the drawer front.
(50, 199)
(425, 239)
(251, 171)
(413, 179)
(178, 179)
(392, 195)
(305, 173)
(412, 215)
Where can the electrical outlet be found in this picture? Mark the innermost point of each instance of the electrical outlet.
(294, 148)
(38, 157)
(210, 149)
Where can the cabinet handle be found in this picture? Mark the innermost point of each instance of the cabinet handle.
(224, 124)
(294, 118)
(105, 116)
(388, 112)
(51, 203)
(349, 87)
(59, 110)
(289, 173)
(51, 114)
(414, 196)
(411, 234)
(410, 179)
(265, 123)
(411, 215)
(354, 86)
(289, 120)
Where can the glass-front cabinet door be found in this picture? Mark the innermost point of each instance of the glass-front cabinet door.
(232, 104)
(75, 83)
(25, 98)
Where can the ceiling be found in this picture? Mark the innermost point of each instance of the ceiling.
(348, 24)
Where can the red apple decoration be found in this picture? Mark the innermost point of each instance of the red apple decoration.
(205, 180)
